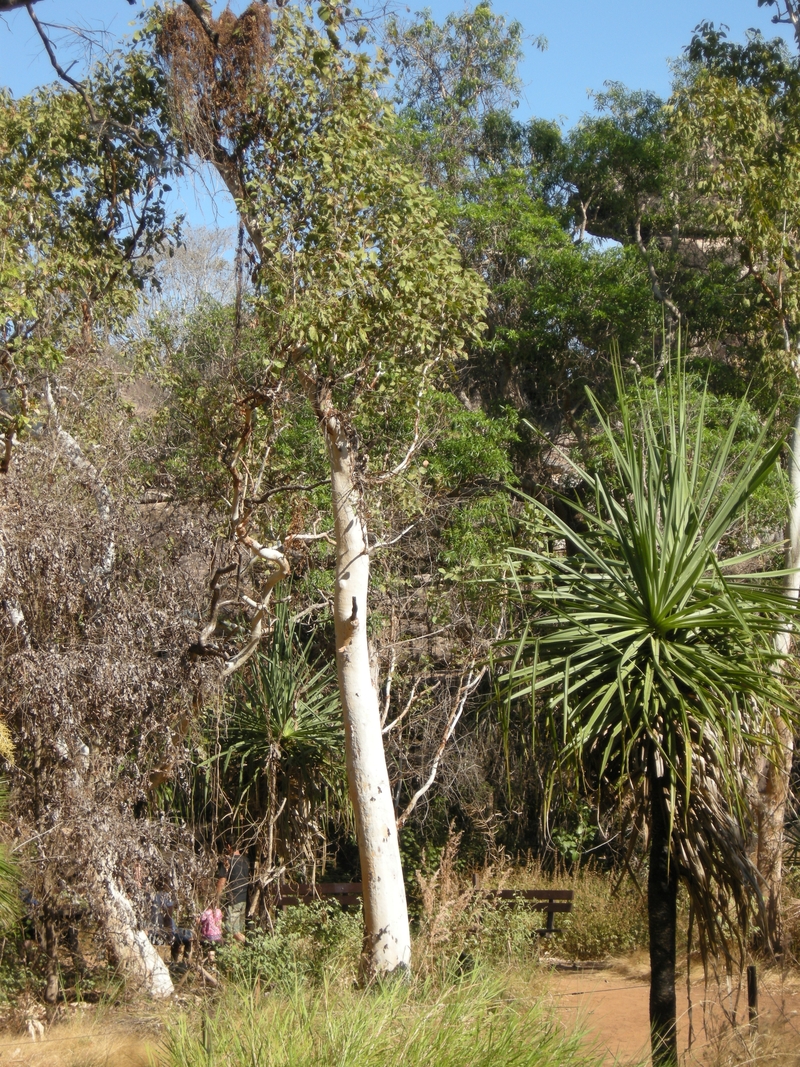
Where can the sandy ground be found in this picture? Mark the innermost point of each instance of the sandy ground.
(611, 1004)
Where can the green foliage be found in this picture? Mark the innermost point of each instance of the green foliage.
(82, 199)
(281, 751)
(736, 111)
(309, 945)
(607, 919)
(472, 1021)
(451, 80)
(10, 902)
(358, 279)
(654, 660)
(618, 166)
(764, 514)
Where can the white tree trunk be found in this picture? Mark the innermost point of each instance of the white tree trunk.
(388, 940)
(773, 789)
(135, 953)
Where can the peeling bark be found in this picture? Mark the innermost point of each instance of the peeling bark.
(388, 940)
(136, 955)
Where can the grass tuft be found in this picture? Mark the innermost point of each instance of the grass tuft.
(414, 1024)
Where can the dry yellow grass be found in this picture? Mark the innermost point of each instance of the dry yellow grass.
(84, 1039)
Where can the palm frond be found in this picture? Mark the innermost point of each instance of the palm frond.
(642, 645)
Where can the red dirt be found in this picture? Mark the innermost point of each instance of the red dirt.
(612, 1006)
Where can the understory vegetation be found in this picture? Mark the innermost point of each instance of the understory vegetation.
(434, 532)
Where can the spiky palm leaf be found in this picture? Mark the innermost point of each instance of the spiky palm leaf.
(654, 657)
(10, 901)
(284, 734)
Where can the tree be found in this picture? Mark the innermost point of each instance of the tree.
(660, 677)
(281, 750)
(82, 205)
(737, 111)
(788, 14)
(361, 295)
(450, 80)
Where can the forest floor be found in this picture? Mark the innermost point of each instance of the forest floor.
(608, 1002)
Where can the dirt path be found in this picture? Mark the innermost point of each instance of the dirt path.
(612, 1006)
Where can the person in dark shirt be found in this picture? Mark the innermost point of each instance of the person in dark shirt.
(233, 878)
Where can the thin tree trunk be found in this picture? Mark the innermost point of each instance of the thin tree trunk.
(772, 800)
(662, 915)
(773, 789)
(51, 966)
(387, 941)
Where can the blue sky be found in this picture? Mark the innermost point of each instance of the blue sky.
(589, 42)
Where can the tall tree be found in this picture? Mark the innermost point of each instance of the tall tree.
(82, 208)
(659, 673)
(737, 109)
(361, 295)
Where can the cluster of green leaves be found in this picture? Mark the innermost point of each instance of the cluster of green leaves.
(308, 944)
(449, 80)
(556, 304)
(82, 203)
(283, 733)
(655, 657)
(358, 280)
(736, 110)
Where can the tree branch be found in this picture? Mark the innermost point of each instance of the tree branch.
(461, 698)
(103, 499)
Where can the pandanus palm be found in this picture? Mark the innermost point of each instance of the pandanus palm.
(282, 747)
(654, 660)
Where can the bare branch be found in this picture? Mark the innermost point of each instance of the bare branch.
(461, 699)
(48, 47)
(407, 708)
(658, 292)
(201, 13)
(309, 537)
(74, 454)
(415, 441)
(288, 489)
(394, 540)
(388, 691)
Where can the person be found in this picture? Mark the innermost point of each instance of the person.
(233, 878)
(210, 923)
(164, 929)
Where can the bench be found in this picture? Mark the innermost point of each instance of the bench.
(550, 901)
(347, 893)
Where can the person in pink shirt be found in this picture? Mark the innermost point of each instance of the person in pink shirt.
(210, 923)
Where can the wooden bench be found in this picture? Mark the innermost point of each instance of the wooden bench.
(550, 901)
(347, 893)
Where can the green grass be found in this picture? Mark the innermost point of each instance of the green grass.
(473, 1021)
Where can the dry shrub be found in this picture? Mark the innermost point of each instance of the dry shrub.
(449, 908)
(773, 1044)
(609, 917)
(215, 84)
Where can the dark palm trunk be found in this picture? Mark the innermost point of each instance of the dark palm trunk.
(662, 897)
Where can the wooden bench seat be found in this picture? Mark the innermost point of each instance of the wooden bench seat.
(347, 893)
(550, 901)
